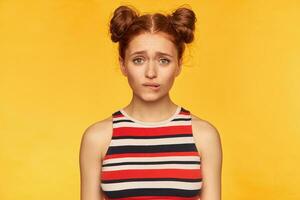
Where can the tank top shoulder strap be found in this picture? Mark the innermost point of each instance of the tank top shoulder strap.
(118, 117)
(185, 115)
(184, 112)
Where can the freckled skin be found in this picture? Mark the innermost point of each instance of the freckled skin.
(150, 66)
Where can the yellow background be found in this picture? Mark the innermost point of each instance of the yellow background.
(59, 74)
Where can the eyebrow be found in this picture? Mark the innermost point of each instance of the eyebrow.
(159, 53)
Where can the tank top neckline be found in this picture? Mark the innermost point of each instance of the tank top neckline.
(177, 111)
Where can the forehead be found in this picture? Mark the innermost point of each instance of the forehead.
(151, 42)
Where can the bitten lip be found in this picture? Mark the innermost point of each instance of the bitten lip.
(151, 84)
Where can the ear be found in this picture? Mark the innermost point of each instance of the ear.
(122, 66)
(178, 69)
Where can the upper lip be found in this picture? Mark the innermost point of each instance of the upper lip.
(151, 84)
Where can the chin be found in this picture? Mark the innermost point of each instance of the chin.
(150, 97)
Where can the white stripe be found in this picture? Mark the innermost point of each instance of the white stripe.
(154, 166)
(153, 141)
(130, 124)
(151, 159)
(152, 184)
(178, 116)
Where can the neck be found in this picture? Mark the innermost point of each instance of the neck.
(151, 111)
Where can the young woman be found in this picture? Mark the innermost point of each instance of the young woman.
(152, 148)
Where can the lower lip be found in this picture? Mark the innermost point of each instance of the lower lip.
(153, 87)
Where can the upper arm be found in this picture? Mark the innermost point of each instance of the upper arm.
(92, 142)
(209, 142)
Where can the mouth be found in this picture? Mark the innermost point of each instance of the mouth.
(153, 86)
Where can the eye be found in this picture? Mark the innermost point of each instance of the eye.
(138, 61)
(164, 61)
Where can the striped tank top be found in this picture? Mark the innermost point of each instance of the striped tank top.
(152, 160)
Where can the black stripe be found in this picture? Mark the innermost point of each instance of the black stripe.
(116, 113)
(152, 179)
(152, 192)
(151, 137)
(152, 163)
(128, 120)
(122, 120)
(152, 148)
(184, 110)
(181, 119)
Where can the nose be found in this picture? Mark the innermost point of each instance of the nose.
(151, 70)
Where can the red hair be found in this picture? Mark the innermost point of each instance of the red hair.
(126, 23)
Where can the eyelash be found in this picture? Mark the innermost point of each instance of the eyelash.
(168, 61)
(135, 60)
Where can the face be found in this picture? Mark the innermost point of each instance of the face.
(151, 59)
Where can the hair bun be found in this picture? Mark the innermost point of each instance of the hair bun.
(183, 20)
(122, 18)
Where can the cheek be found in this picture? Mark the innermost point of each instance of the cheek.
(170, 81)
(168, 77)
(133, 78)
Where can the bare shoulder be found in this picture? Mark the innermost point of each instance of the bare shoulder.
(98, 129)
(208, 142)
(205, 133)
(98, 134)
(93, 141)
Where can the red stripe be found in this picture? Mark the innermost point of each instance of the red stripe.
(151, 173)
(158, 198)
(159, 154)
(152, 131)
